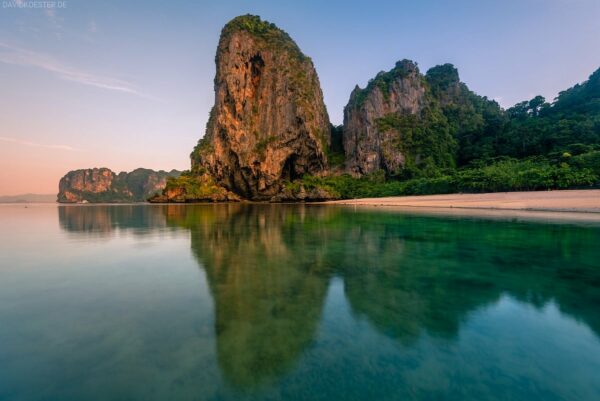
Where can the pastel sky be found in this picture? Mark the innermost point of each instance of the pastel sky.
(126, 84)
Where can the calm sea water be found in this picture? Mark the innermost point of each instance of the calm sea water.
(273, 302)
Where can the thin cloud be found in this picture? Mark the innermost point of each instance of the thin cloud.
(38, 145)
(56, 22)
(92, 27)
(17, 56)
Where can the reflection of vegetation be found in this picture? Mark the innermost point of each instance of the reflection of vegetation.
(268, 269)
(268, 296)
(414, 274)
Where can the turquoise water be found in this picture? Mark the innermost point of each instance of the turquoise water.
(274, 302)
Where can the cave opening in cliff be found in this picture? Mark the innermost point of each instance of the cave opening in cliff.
(256, 66)
(289, 169)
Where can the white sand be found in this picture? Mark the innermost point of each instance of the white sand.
(548, 201)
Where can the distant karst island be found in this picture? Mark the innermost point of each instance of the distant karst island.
(98, 185)
(269, 138)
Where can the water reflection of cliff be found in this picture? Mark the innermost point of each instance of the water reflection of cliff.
(268, 269)
(425, 274)
(106, 220)
(267, 280)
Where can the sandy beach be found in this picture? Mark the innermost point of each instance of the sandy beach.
(580, 201)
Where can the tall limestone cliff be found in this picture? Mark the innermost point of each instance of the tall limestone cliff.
(269, 124)
(369, 142)
(409, 125)
(103, 185)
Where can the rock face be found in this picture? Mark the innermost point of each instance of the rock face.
(269, 126)
(103, 185)
(368, 145)
(269, 123)
(412, 125)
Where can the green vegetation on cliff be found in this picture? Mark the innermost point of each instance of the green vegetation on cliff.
(265, 30)
(463, 142)
(530, 128)
(474, 120)
(197, 186)
(425, 140)
(193, 188)
(504, 175)
(403, 123)
(269, 121)
(383, 80)
(428, 133)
